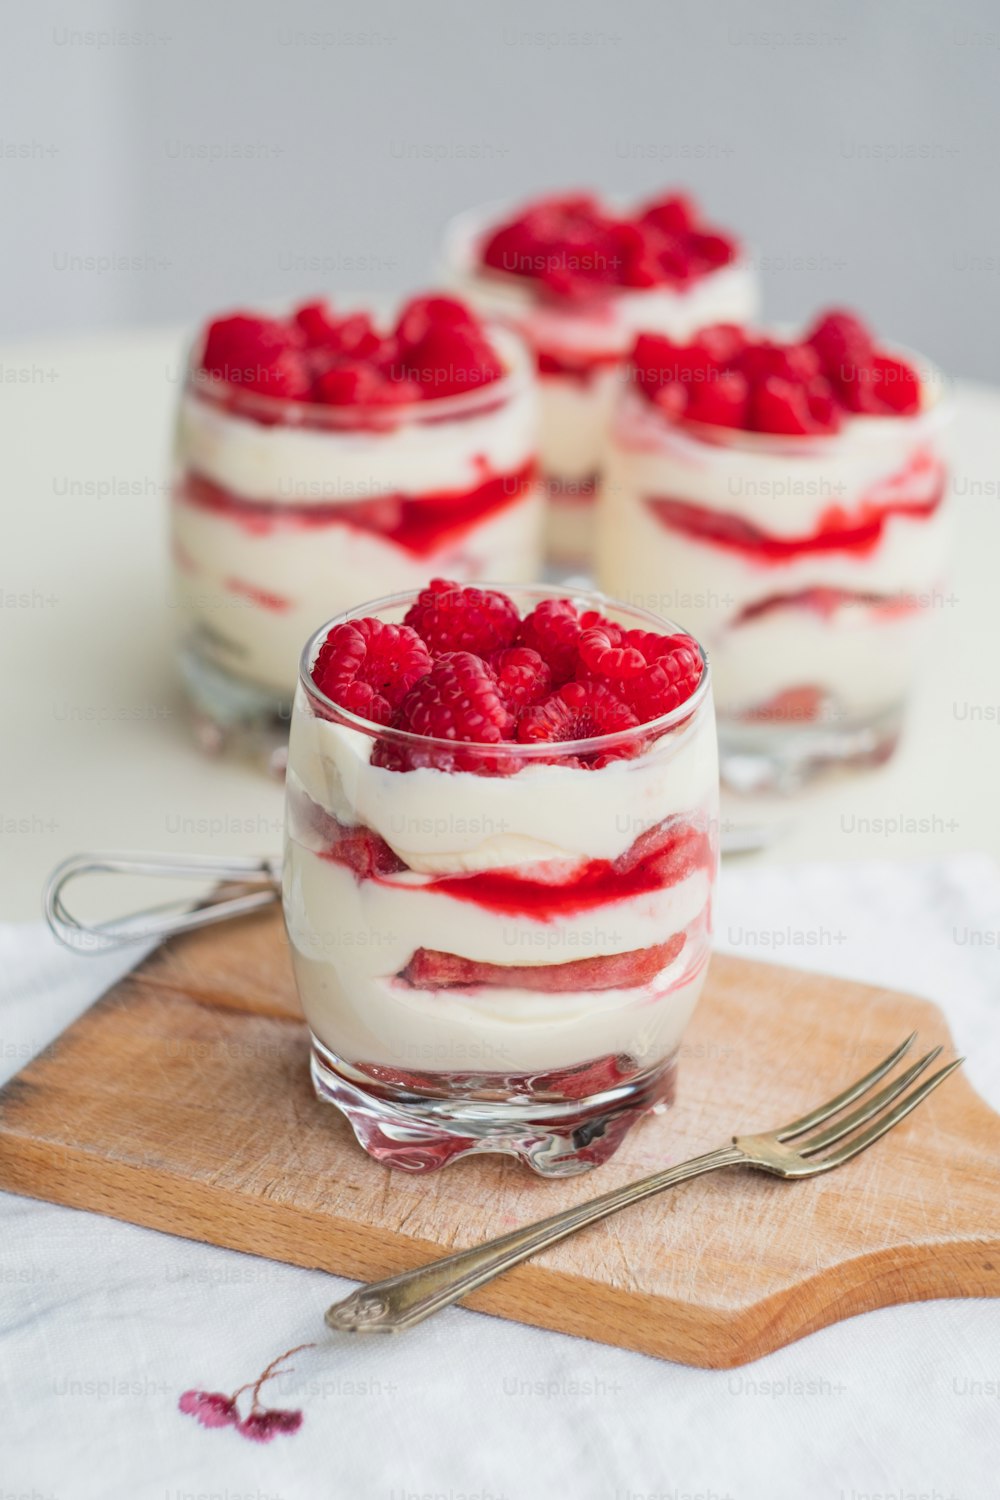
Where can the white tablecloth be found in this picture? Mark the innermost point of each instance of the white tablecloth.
(104, 1326)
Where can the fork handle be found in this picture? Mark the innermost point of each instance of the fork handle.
(402, 1301)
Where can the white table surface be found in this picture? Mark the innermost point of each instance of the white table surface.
(97, 750)
(96, 753)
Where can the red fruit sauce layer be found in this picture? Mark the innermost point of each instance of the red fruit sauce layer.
(420, 524)
(658, 859)
(430, 969)
(828, 602)
(795, 705)
(839, 530)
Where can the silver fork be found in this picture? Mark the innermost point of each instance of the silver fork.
(402, 1301)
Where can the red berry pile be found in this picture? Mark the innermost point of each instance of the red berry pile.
(466, 667)
(438, 347)
(575, 246)
(729, 377)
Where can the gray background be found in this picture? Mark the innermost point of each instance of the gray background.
(854, 144)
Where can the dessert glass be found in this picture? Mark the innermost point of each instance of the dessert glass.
(280, 507)
(579, 347)
(582, 897)
(809, 567)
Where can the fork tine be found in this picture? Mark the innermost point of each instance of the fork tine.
(824, 1111)
(870, 1106)
(879, 1127)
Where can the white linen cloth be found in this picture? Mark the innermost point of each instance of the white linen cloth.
(104, 1325)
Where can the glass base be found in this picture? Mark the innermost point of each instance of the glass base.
(419, 1132)
(231, 716)
(781, 759)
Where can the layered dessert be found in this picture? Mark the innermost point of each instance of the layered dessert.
(786, 498)
(323, 459)
(579, 279)
(500, 855)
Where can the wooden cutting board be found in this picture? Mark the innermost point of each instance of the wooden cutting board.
(181, 1100)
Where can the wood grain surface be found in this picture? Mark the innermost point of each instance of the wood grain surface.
(181, 1100)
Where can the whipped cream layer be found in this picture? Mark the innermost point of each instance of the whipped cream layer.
(750, 608)
(352, 937)
(440, 822)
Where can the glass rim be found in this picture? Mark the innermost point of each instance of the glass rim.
(314, 415)
(543, 751)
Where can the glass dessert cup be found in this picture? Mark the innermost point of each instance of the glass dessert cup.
(809, 567)
(279, 507)
(500, 959)
(579, 346)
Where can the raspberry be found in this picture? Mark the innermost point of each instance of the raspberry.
(451, 359)
(317, 323)
(650, 673)
(758, 361)
(721, 402)
(456, 700)
(780, 406)
(842, 342)
(421, 314)
(580, 711)
(606, 657)
(523, 677)
(708, 251)
(259, 354)
(723, 343)
(368, 666)
(668, 681)
(356, 338)
(553, 629)
(353, 383)
(659, 361)
(896, 385)
(675, 214)
(450, 617)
